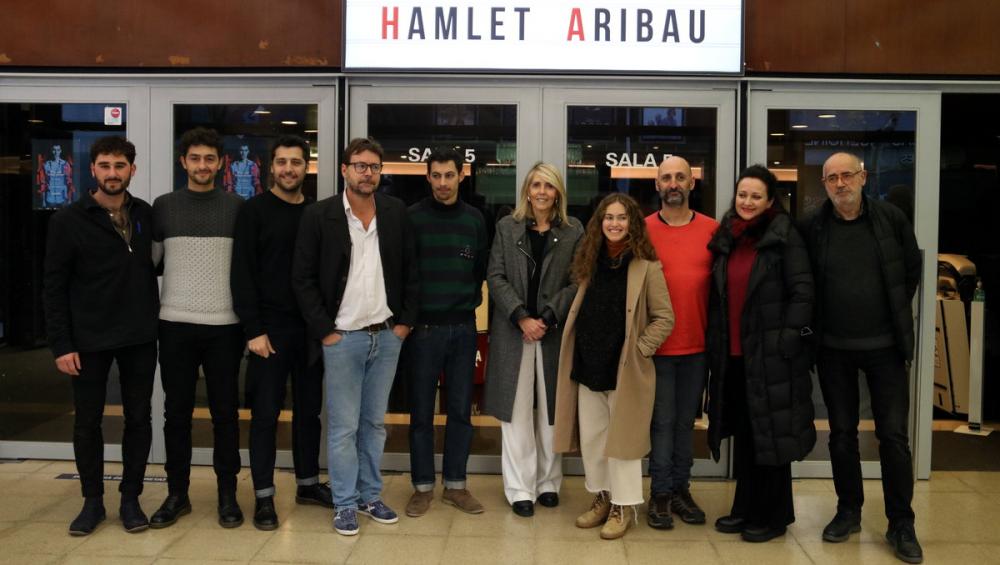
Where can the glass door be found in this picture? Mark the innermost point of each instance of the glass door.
(44, 166)
(249, 120)
(793, 129)
(495, 128)
(613, 140)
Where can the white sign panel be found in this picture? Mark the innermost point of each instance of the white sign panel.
(112, 115)
(611, 36)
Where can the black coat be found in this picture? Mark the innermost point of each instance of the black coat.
(100, 292)
(898, 254)
(323, 259)
(775, 341)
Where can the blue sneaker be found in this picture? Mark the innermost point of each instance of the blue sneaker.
(378, 511)
(345, 521)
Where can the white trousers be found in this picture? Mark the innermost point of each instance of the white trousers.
(622, 477)
(530, 465)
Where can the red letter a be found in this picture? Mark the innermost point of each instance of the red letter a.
(575, 25)
(394, 22)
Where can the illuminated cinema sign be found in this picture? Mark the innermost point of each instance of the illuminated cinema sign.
(608, 36)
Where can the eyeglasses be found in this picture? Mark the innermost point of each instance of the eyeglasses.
(843, 177)
(360, 167)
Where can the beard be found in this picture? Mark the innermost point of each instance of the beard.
(673, 198)
(103, 187)
(289, 188)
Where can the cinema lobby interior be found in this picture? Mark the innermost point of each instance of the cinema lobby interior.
(604, 91)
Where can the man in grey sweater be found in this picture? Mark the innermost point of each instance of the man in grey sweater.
(193, 236)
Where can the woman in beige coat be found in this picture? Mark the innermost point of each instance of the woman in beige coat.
(606, 381)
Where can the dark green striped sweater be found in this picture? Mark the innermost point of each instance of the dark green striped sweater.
(452, 251)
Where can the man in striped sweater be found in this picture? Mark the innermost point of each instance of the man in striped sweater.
(193, 235)
(452, 250)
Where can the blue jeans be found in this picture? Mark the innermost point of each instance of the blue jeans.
(357, 371)
(451, 349)
(680, 383)
(888, 384)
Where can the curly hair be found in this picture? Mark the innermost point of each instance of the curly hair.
(590, 246)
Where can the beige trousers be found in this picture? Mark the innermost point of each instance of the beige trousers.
(622, 477)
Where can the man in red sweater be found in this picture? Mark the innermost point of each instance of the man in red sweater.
(680, 236)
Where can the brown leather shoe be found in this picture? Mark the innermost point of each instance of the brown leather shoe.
(598, 513)
(419, 503)
(619, 520)
(461, 498)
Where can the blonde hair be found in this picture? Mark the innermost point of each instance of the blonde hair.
(546, 173)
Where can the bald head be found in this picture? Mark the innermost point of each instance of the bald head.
(674, 182)
(842, 159)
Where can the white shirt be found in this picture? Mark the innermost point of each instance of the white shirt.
(364, 302)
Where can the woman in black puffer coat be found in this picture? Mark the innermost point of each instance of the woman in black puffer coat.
(760, 390)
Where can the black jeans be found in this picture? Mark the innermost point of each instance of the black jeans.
(265, 387)
(450, 349)
(217, 350)
(763, 492)
(136, 366)
(888, 385)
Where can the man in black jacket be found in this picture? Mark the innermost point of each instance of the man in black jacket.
(101, 302)
(867, 267)
(356, 279)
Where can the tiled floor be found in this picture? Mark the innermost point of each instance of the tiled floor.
(958, 522)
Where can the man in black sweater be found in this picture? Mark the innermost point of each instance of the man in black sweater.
(452, 251)
(867, 267)
(261, 282)
(101, 303)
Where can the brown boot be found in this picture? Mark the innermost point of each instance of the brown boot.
(463, 500)
(419, 503)
(619, 520)
(598, 512)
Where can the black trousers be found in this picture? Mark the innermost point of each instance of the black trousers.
(888, 384)
(763, 492)
(217, 350)
(136, 366)
(266, 385)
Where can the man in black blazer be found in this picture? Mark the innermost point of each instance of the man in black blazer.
(356, 280)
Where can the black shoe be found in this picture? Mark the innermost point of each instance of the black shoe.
(684, 506)
(89, 517)
(730, 525)
(264, 516)
(549, 499)
(760, 534)
(904, 541)
(524, 508)
(230, 515)
(175, 506)
(131, 515)
(658, 514)
(318, 493)
(841, 527)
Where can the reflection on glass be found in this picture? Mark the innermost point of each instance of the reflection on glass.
(486, 134)
(247, 130)
(618, 148)
(798, 143)
(44, 166)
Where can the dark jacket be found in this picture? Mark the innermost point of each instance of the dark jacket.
(323, 258)
(100, 292)
(776, 349)
(898, 254)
